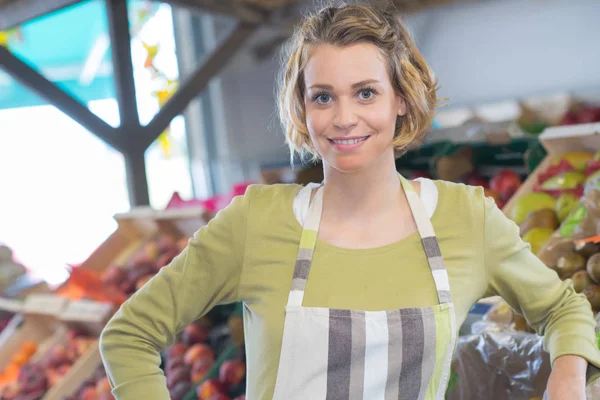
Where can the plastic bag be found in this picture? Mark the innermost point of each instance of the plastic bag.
(499, 366)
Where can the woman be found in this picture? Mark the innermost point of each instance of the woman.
(353, 289)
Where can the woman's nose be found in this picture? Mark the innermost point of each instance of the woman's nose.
(345, 116)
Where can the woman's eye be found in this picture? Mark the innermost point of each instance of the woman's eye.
(366, 94)
(323, 98)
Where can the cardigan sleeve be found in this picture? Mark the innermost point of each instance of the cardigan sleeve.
(205, 274)
(550, 306)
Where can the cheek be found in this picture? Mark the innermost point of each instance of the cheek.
(316, 122)
(382, 122)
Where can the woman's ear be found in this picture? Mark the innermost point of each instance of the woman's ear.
(401, 106)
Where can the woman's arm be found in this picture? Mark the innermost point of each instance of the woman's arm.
(205, 274)
(550, 306)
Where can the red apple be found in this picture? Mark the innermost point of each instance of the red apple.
(53, 377)
(114, 275)
(58, 355)
(127, 287)
(38, 394)
(178, 349)
(103, 385)
(179, 391)
(99, 373)
(474, 179)
(210, 388)
(105, 396)
(505, 182)
(232, 372)
(182, 244)
(193, 334)
(219, 396)
(142, 281)
(89, 393)
(174, 363)
(178, 374)
(197, 352)
(165, 259)
(139, 270)
(200, 369)
(32, 378)
(167, 244)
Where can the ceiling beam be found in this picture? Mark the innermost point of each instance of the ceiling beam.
(239, 11)
(197, 82)
(62, 100)
(16, 12)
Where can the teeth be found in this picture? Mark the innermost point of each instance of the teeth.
(351, 141)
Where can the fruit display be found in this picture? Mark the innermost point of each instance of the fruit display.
(201, 362)
(581, 114)
(555, 193)
(572, 250)
(143, 265)
(96, 387)
(501, 186)
(30, 375)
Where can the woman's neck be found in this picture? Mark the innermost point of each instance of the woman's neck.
(358, 195)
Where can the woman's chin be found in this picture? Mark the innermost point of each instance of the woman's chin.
(349, 164)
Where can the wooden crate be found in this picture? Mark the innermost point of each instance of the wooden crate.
(140, 225)
(134, 229)
(556, 141)
(81, 370)
(28, 328)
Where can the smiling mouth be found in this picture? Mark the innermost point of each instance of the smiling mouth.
(348, 141)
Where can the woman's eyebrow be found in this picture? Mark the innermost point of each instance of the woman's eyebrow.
(354, 85)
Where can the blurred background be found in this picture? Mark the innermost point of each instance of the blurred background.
(62, 180)
(126, 125)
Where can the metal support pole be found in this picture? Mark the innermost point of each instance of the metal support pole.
(137, 182)
(120, 44)
(130, 129)
(198, 81)
(65, 102)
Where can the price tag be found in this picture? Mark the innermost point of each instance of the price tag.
(13, 306)
(87, 311)
(44, 304)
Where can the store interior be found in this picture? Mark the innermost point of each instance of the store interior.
(125, 126)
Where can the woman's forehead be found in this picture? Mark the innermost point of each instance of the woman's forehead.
(344, 66)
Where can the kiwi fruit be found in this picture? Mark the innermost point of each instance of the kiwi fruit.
(593, 267)
(544, 218)
(567, 265)
(552, 252)
(592, 292)
(588, 249)
(581, 280)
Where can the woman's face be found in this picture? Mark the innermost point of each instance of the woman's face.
(351, 107)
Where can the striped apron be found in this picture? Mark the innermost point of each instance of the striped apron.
(368, 355)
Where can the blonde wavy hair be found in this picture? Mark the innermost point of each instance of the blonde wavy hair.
(344, 25)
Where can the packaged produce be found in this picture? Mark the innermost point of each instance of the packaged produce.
(570, 251)
(499, 366)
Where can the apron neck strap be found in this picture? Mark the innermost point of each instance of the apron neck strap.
(308, 241)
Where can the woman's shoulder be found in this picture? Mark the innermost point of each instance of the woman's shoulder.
(460, 200)
(274, 200)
